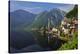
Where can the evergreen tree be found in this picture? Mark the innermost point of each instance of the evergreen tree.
(73, 12)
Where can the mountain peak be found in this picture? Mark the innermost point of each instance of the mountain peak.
(55, 15)
(21, 11)
(20, 18)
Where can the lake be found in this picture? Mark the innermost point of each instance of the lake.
(22, 41)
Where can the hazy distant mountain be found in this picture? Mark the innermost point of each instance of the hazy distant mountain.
(54, 16)
(20, 18)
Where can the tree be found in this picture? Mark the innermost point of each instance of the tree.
(73, 12)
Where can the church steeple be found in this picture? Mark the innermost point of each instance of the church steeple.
(49, 23)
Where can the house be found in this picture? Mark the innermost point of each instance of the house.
(54, 29)
(64, 21)
(65, 26)
(74, 26)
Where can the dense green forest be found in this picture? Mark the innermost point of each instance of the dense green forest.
(73, 12)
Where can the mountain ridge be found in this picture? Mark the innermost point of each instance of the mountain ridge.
(20, 18)
(41, 20)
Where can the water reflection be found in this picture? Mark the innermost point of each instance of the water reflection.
(32, 41)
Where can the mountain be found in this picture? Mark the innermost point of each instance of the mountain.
(20, 18)
(73, 12)
(54, 17)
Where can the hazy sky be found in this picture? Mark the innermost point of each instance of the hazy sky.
(37, 7)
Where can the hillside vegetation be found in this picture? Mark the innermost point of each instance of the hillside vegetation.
(73, 12)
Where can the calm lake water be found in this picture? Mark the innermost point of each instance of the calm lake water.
(21, 41)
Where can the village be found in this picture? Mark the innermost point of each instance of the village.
(64, 32)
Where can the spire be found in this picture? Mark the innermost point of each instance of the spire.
(49, 22)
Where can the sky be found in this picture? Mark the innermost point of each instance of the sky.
(37, 7)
